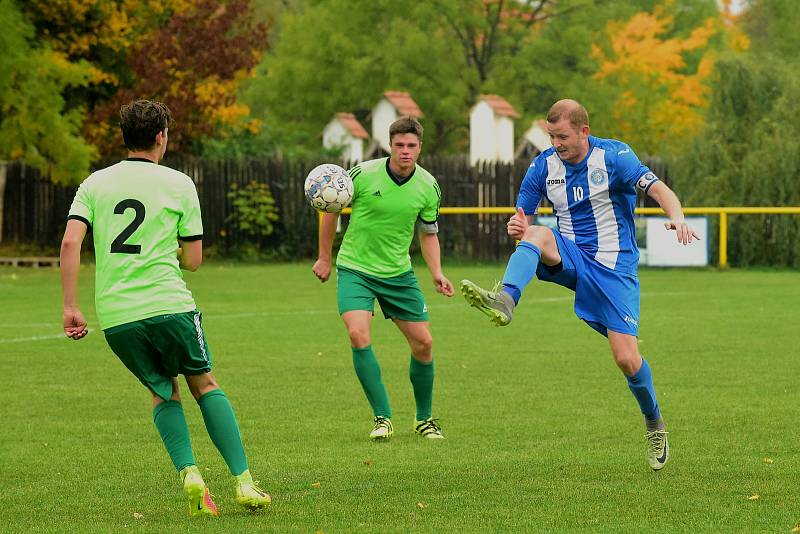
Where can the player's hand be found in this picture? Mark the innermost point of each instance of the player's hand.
(517, 224)
(683, 231)
(443, 285)
(322, 269)
(75, 326)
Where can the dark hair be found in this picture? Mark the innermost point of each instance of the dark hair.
(405, 125)
(570, 109)
(141, 121)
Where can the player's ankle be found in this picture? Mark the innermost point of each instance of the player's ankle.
(244, 477)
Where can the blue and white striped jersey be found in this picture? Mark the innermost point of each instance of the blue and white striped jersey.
(593, 200)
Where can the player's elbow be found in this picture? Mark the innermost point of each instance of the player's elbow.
(70, 244)
(191, 264)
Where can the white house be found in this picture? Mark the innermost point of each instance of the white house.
(534, 141)
(393, 105)
(491, 130)
(345, 132)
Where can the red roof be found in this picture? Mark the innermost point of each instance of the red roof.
(403, 102)
(500, 106)
(352, 125)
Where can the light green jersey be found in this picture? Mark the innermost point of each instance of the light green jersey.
(385, 212)
(137, 211)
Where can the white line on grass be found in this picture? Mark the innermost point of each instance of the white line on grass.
(326, 310)
(32, 338)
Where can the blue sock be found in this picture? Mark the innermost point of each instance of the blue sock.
(641, 385)
(520, 269)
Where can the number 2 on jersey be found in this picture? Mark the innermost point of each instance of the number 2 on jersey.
(119, 246)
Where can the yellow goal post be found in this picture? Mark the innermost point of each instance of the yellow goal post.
(722, 212)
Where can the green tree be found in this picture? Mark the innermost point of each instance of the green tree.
(445, 53)
(746, 156)
(34, 125)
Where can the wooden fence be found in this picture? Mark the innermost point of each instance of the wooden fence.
(35, 209)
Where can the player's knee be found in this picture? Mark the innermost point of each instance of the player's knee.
(359, 337)
(628, 362)
(537, 235)
(199, 385)
(421, 347)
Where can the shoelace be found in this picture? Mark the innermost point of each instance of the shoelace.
(382, 422)
(657, 439)
(430, 425)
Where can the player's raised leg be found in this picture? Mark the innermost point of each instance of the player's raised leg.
(538, 244)
(223, 429)
(368, 370)
(640, 381)
(421, 372)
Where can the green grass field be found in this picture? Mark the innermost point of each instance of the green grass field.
(542, 432)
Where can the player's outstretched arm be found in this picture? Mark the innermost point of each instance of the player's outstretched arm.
(431, 252)
(75, 326)
(669, 202)
(322, 267)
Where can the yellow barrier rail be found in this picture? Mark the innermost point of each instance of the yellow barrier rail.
(723, 213)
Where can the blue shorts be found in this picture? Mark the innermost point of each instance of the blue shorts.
(604, 298)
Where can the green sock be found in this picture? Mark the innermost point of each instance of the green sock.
(369, 374)
(223, 429)
(421, 375)
(171, 424)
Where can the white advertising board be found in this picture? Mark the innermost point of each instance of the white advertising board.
(663, 249)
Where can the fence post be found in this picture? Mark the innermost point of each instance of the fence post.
(723, 239)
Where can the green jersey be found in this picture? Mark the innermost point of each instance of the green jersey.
(385, 212)
(137, 211)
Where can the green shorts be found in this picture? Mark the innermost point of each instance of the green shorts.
(399, 296)
(158, 348)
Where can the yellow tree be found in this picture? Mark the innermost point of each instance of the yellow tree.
(660, 82)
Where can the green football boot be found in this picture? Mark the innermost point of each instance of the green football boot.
(200, 501)
(657, 449)
(429, 428)
(249, 495)
(383, 429)
(498, 305)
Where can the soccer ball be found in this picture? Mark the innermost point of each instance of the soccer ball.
(329, 188)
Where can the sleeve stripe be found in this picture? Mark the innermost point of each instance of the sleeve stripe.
(191, 237)
(81, 219)
(428, 222)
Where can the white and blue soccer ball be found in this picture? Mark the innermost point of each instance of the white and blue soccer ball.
(329, 188)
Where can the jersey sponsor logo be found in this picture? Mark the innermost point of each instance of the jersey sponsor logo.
(621, 152)
(556, 181)
(597, 177)
(377, 194)
(646, 179)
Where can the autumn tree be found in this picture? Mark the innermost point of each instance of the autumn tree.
(660, 79)
(194, 63)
